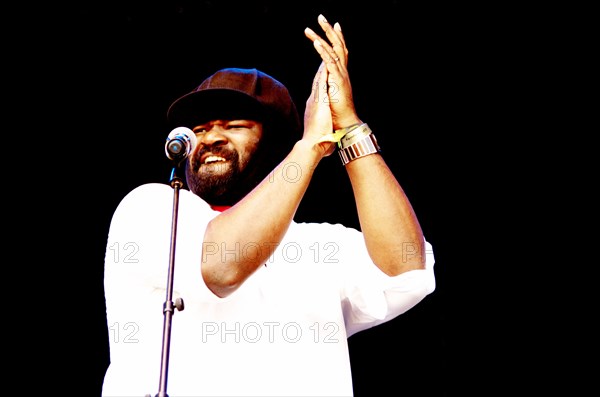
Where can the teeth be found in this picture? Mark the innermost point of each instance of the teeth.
(213, 159)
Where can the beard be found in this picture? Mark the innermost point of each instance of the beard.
(219, 183)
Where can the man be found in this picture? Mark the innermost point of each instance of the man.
(269, 303)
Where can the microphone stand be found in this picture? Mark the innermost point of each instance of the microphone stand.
(168, 307)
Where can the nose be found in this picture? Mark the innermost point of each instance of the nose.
(214, 136)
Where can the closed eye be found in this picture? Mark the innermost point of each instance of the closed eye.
(239, 124)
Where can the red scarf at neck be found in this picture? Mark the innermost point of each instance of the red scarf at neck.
(220, 208)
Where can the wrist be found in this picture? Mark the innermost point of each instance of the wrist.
(347, 122)
(313, 149)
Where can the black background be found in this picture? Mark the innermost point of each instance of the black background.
(99, 77)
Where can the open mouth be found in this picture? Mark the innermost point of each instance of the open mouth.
(213, 159)
(214, 164)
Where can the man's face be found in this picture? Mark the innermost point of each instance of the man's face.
(220, 159)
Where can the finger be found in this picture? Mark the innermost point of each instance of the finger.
(334, 34)
(331, 34)
(319, 75)
(323, 86)
(308, 32)
(319, 87)
(338, 29)
(326, 52)
(316, 83)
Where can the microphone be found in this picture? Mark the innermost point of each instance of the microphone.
(180, 143)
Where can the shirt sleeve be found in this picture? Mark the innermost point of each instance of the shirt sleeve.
(371, 297)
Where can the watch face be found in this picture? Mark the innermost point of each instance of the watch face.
(355, 134)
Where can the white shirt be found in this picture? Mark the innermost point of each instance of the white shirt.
(282, 333)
